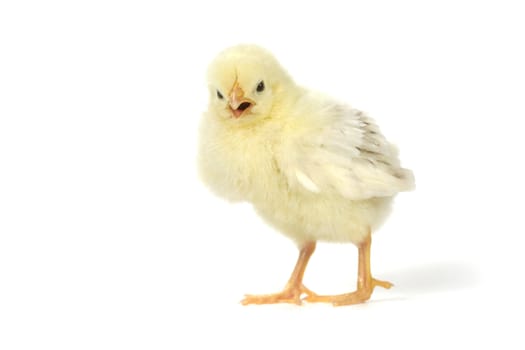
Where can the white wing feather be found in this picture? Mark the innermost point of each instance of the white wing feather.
(340, 150)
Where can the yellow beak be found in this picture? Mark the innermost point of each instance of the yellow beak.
(236, 96)
(238, 103)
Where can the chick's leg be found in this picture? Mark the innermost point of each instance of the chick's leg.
(294, 288)
(365, 282)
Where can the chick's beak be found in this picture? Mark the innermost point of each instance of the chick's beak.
(238, 103)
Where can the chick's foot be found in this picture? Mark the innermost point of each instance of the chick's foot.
(291, 295)
(361, 295)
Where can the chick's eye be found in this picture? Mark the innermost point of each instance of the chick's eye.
(260, 87)
(219, 95)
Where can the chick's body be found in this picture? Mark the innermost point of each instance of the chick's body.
(313, 168)
(244, 164)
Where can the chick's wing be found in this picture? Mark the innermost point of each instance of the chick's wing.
(339, 150)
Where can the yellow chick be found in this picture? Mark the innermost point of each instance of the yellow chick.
(314, 168)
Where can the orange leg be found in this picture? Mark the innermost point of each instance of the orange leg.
(365, 282)
(294, 288)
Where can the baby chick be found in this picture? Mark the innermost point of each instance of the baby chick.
(314, 168)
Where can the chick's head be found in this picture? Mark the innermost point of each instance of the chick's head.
(245, 84)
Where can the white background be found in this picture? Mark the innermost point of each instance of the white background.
(109, 241)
